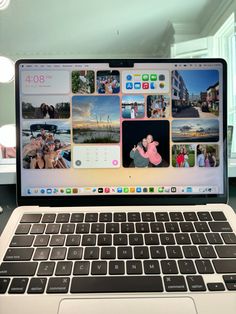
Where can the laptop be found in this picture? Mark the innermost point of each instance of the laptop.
(122, 190)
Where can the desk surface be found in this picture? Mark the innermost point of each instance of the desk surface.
(8, 200)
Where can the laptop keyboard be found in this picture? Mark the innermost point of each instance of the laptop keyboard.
(120, 252)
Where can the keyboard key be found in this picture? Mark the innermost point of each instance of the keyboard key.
(18, 269)
(190, 251)
(220, 226)
(167, 239)
(229, 278)
(182, 238)
(225, 266)
(105, 217)
(174, 252)
(169, 267)
(77, 217)
(151, 239)
(63, 218)
(175, 283)
(148, 216)
(81, 268)
(204, 216)
(41, 240)
(134, 217)
(204, 267)
(63, 268)
(22, 241)
(190, 216)
(136, 239)
(196, 283)
(58, 253)
(99, 268)
(37, 285)
(218, 216)
(38, 228)
(18, 285)
(127, 227)
(116, 268)
(231, 286)
(171, 227)
(198, 238)
(82, 228)
(41, 254)
(201, 226)
(207, 251)
(151, 267)
(214, 238)
(119, 217)
(91, 253)
(162, 216)
(186, 226)
(23, 229)
(227, 251)
(157, 252)
(176, 216)
(116, 284)
(68, 228)
(142, 227)
(57, 240)
(73, 240)
(105, 239)
(157, 227)
(134, 267)
(125, 253)
(120, 239)
(186, 267)
(215, 286)
(52, 228)
(229, 238)
(141, 252)
(22, 254)
(31, 218)
(112, 227)
(4, 282)
(108, 253)
(58, 285)
(89, 240)
(48, 218)
(46, 269)
(91, 217)
(75, 253)
(97, 228)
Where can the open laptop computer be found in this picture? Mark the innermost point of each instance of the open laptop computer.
(122, 187)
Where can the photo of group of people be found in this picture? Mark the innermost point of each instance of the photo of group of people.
(207, 155)
(96, 119)
(83, 82)
(133, 107)
(183, 156)
(46, 145)
(158, 106)
(195, 94)
(47, 107)
(108, 82)
(145, 144)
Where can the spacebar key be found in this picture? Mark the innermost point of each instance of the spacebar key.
(117, 284)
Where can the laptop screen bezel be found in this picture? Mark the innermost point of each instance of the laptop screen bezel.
(119, 200)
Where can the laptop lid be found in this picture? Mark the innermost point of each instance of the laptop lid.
(121, 132)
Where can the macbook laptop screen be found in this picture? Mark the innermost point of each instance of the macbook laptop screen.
(98, 128)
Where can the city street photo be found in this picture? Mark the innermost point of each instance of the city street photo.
(195, 94)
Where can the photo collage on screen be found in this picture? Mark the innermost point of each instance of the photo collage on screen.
(122, 118)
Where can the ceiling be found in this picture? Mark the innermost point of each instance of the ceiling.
(132, 28)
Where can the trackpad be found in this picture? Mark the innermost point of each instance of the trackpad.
(130, 306)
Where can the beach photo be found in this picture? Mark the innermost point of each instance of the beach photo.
(145, 144)
(96, 119)
(133, 107)
(158, 106)
(46, 145)
(183, 156)
(208, 155)
(83, 82)
(45, 107)
(108, 82)
(192, 130)
(195, 93)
